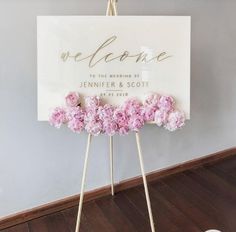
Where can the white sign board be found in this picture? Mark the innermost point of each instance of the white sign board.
(113, 57)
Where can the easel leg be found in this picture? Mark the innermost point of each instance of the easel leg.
(83, 182)
(111, 165)
(145, 182)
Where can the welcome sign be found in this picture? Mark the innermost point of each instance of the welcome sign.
(113, 57)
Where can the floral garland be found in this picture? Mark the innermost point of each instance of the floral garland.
(97, 118)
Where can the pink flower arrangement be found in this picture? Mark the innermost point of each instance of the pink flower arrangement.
(96, 118)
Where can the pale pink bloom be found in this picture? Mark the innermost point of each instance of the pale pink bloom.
(148, 113)
(124, 130)
(75, 113)
(136, 122)
(76, 125)
(152, 100)
(120, 117)
(91, 115)
(75, 116)
(122, 120)
(72, 99)
(110, 127)
(93, 124)
(94, 128)
(92, 102)
(166, 103)
(132, 106)
(58, 117)
(161, 117)
(176, 120)
(106, 112)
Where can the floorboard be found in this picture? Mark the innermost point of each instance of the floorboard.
(19, 228)
(191, 201)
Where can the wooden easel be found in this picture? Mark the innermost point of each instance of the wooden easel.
(112, 11)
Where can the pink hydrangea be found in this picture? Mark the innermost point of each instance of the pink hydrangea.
(105, 112)
(94, 127)
(120, 116)
(124, 130)
(132, 106)
(72, 99)
(91, 115)
(92, 102)
(136, 122)
(75, 116)
(161, 117)
(176, 120)
(93, 123)
(76, 125)
(152, 100)
(58, 117)
(148, 113)
(75, 112)
(166, 103)
(122, 120)
(110, 127)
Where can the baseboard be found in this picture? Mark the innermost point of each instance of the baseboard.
(104, 191)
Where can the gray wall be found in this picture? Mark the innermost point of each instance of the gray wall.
(39, 164)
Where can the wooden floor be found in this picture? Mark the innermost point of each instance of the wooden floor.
(192, 201)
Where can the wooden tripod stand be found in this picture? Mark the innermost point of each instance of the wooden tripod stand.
(112, 179)
(112, 11)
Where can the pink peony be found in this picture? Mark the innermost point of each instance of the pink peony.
(91, 115)
(75, 112)
(110, 127)
(132, 106)
(120, 117)
(136, 122)
(105, 112)
(161, 117)
(176, 120)
(122, 120)
(58, 117)
(76, 125)
(72, 99)
(92, 102)
(152, 100)
(93, 123)
(166, 103)
(75, 116)
(94, 128)
(148, 113)
(124, 130)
